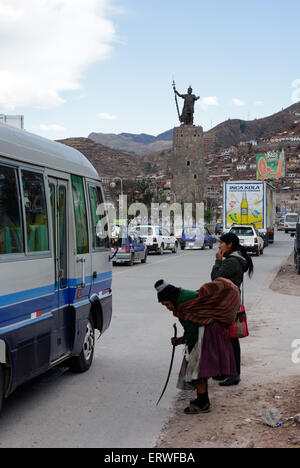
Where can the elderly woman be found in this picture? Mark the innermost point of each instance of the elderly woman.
(205, 316)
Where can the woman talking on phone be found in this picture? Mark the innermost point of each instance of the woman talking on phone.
(232, 262)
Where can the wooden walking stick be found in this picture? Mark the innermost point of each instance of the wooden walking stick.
(171, 365)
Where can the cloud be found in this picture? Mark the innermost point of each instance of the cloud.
(238, 102)
(296, 93)
(209, 101)
(52, 127)
(259, 103)
(106, 116)
(47, 45)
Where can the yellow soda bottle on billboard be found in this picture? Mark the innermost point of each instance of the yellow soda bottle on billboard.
(244, 209)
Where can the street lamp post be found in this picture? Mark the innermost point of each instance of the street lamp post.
(113, 185)
(169, 197)
(172, 193)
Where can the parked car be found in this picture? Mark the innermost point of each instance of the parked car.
(290, 222)
(249, 238)
(219, 228)
(297, 248)
(208, 238)
(157, 239)
(128, 248)
(192, 238)
(280, 225)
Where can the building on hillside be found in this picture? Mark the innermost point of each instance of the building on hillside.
(239, 163)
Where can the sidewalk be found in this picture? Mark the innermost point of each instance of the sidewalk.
(267, 372)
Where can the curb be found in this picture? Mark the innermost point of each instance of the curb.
(273, 275)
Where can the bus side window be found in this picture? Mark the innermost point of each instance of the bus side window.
(99, 231)
(11, 235)
(81, 226)
(52, 202)
(35, 212)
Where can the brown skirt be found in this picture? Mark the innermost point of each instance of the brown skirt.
(211, 356)
(217, 352)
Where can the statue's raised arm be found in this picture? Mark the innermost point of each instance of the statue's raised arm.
(180, 95)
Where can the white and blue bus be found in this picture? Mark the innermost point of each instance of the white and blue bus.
(55, 270)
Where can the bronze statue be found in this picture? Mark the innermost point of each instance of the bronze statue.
(187, 116)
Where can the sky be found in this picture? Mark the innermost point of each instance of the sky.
(73, 67)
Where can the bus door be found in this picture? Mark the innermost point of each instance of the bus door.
(83, 257)
(101, 268)
(61, 343)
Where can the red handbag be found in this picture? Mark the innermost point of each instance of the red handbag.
(239, 328)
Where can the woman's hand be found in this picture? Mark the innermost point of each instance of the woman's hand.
(177, 341)
(223, 249)
(220, 254)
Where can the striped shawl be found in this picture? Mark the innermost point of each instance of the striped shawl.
(217, 301)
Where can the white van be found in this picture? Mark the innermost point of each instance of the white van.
(290, 222)
(157, 239)
(55, 274)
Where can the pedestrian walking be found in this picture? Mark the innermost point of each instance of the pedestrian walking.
(205, 316)
(232, 262)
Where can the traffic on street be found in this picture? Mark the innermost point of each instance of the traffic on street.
(114, 404)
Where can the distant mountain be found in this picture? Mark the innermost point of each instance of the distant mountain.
(166, 136)
(108, 162)
(226, 134)
(134, 144)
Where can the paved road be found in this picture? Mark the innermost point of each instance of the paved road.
(113, 405)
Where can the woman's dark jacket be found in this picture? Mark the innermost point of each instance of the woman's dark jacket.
(232, 267)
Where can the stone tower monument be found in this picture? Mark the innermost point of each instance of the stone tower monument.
(188, 163)
(188, 167)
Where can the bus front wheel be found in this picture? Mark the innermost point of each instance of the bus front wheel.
(82, 363)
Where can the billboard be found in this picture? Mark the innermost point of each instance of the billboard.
(244, 203)
(271, 165)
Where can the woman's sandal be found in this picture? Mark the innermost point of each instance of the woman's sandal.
(196, 409)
